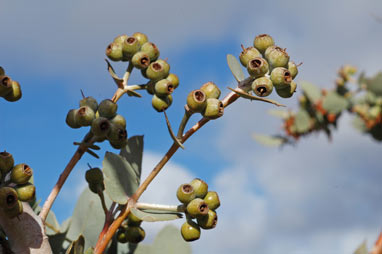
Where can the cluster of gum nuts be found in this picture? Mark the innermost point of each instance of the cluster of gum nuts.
(9, 89)
(14, 185)
(143, 55)
(270, 67)
(200, 204)
(103, 118)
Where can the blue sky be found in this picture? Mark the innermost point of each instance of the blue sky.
(317, 197)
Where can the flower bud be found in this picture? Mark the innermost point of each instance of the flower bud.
(84, 116)
(94, 176)
(135, 234)
(15, 94)
(278, 57)
(71, 119)
(107, 108)
(90, 102)
(119, 120)
(212, 200)
(292, 68)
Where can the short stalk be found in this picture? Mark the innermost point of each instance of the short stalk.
(159, 207)
(183, 123)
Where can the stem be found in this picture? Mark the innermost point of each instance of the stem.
(183, 123)
(158, 207)
(137, 87)
(105, 239)
(126, 76)
(101, 196)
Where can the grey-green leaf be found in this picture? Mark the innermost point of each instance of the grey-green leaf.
(170, 241)
(53, 223)
(362, 249)
(251, 97)
(375, 84)
(235, 67)
(359, 124)
(152, 216)
(311, 91)
(302, 121)
(271, 141)
(120, 179)
(334, 103)
(283, 114)
(133, 153)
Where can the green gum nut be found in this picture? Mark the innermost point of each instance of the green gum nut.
(140, 60)
(15, 93)
(151, 50)
(262, 86)
(278, 57)
(114, 51)
(262, 42)
(257, 67)
(209, 221)
(84, 116)
(287, 91)
(211, 90)
(121, 235)
(214, 109)
(150, 87)
(163, 87)
(120, 39)
(158, 70)
(185, 193)
(5, 85)
(197, 207)
(200, 187)
(6, 162)
(247, 55)
(173, 79)
(21, 173)
(107, 108)
(26, 192)
(161, 103)
(212, 200)
(118, 144)
(292, 68)
(197, 100)
(268, 51)
(141, 37)
(135, 234)
(119, 120)
(281, 77)
(117, 134)
(8, 198)
(71, 119)
(190, 231)
(96, 187)
(94, 175)
(90, 102)
(15, 211)
(100, 127)
(130, 46)
(133, 220)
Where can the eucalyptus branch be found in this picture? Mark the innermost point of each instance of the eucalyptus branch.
(183, 123)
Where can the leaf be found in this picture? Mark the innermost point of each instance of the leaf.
(152, 216)
(362, 249)
(173, 137)
(375, 84)
(133, 153)
(334, 103)
(88, 218)
(133, 93)
(170, 241)
(302, 121)
(121, 180)
(116, 79)
(271, 141)
(311, 91)
(251, 97)
(235, 68)
(92, 153)
(77, 247)
(2, 72)
(56, 242)
(283, 114)
(52, 221)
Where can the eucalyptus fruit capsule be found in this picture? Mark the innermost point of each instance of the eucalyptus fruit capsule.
(292, 68)
(161, 103)
(257, 67)
(212, 200)
(209, 221)
(173, 79)
(211, 90)
(158, 70)
(14, 211)
(135, 234)
(262, 86)
(6, 162)
(262, 42)
(119, 120)
(5, 85)
(130, 46)
(141, 37)
(26, 192)
(100, 127)
(247, 55)
(150, 87)
(121, 235)
(197, 100)
(118, 144)
(281, 77)
(114, 51)
(197, 207)
(185, 193)
(287, 91)
(8, 198)
(163, 87)
(133, 220)
(84, 116)
(214, 109)
(120, 38)
(21, 173)
(278, 57)
(190, 231)
(117, 134)
(200, 187)
(107, 108)
(151, 50)
(71, 119)
(90, 102)
(94, 175)
(140, 60)
(96, 187)
(15, 93)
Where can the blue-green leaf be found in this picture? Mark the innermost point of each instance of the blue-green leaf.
(272, 141)
(152, 216)
(302, 121)
(251, 97)
(334, 103)
(362, 249)
(311, 91)
(133, 153)
(235, 67)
